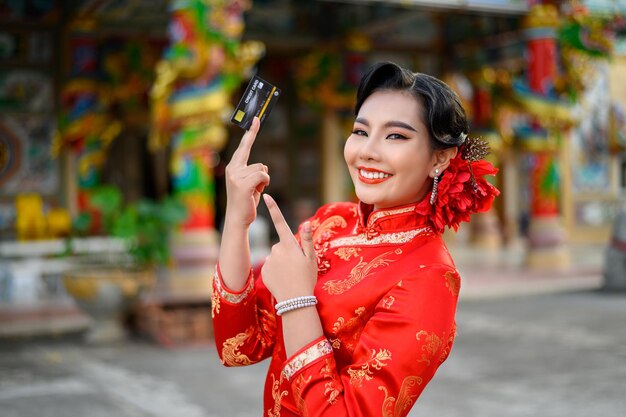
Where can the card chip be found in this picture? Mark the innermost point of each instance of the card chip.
(239, 116)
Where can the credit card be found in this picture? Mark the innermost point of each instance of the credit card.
(258, 100)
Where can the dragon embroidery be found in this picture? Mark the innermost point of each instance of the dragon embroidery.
(358, 273)
(230, 349)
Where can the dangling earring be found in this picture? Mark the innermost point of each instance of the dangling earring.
(433, 194)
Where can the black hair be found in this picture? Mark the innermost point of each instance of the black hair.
(443, 113)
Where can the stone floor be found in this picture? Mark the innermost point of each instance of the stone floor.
(551, 355)
(531, 343)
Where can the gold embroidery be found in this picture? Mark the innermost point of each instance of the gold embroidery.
(311, 354)
(339, 325)
(298, 386)
(327, 226)
(267, 320)
(446, 351)
(277, 395)
(323, 265)
(233, 298)
(366, 371)
(215, 303)
(384, 238)
(336, 343)
(333, 388)
(230, 349)
(330, 208)
(347, 253)
(453, 282)
(388, 301)
(432, 344)
(358, 273)
(355, 211)
(352, 328)
(409, 391)
(384, 213)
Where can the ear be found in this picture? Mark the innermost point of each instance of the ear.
(441, 159)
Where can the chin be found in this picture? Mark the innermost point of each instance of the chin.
(371, 200)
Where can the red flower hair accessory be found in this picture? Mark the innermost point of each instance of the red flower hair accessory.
(462, 189)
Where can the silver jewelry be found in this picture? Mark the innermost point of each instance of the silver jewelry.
(295, 303)
(433, 193)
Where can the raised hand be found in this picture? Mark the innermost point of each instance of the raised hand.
(290, 270)
(244, 183)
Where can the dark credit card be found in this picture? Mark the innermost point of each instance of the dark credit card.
(258, 100)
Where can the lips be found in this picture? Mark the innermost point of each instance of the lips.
(372, 176)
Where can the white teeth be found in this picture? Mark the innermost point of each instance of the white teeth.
(373, 175)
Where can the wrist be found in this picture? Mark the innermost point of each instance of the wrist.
(234, 224)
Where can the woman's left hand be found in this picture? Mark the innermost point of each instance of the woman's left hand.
(290, 270)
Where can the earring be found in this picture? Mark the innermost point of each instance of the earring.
(433, 194)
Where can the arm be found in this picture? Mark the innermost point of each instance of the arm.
(401, 347)
(244, 185)
(291, 271)
(243, 321)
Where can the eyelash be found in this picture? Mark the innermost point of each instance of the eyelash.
(361, 132)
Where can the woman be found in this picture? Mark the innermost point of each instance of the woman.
(357, 311)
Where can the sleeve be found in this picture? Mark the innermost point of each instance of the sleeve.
(409, 335)
(244, 322)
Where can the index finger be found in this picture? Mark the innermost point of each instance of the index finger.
(282, 228)
(242, 153)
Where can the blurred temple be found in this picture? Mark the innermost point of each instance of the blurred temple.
(114, 135)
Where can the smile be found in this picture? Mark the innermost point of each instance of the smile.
(372, 177)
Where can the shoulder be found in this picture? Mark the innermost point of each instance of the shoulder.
(337, 209)
(333, 216)
(339, 214)
(435, 275)
(427, 251)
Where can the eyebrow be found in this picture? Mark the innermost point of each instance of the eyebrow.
(391, 123)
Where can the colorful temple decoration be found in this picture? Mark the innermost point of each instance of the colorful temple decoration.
(108, 91)
(544, 180)
(541, 45)
(202, 66)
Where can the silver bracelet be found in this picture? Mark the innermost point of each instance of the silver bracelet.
(294, 307)
(295, 303)
(304, 298)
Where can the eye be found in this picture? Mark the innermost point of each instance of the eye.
(396, 136)
(359, 132)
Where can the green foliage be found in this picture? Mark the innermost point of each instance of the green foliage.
(145, 224)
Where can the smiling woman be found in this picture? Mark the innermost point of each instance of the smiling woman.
(390, 144)
(357, 310)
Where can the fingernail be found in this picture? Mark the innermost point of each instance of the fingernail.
(266, 198)
(306, 227)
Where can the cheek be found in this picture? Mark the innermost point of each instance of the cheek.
(349, 152)
(414, 168)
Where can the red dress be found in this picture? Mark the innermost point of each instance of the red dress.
(387, 292)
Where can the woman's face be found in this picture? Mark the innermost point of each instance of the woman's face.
(388, 153)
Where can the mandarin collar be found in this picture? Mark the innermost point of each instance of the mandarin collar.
(390, 219)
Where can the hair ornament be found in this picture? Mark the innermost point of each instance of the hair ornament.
(473, 150)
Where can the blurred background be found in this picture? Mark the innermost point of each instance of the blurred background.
(114, 135)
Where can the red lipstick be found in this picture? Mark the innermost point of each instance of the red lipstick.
(379, 176)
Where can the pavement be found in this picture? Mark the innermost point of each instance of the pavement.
(545, 343)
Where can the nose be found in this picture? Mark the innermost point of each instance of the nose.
(369, 149)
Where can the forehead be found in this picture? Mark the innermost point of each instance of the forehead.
(385, 105)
